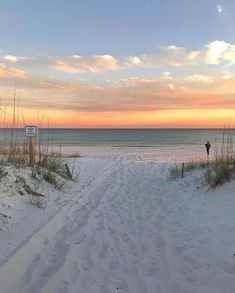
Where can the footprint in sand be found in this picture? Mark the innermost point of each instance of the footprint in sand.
(113, 263)
(76, 239)
(62, 288)
(228, 267)
(104, 251)
(145, 247)
(86, 263)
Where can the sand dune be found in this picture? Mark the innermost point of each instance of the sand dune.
(127, 228)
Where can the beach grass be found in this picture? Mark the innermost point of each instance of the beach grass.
(52, 166)
(179, 170)
(174, 172)
(222, 167)
(33, 154)
(219, 169)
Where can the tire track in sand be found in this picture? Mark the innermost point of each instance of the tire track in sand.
(111, 240)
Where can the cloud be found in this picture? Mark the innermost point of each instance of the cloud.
(94, 64)
(166, 59)
(174, 56)
(55, 85)
(219, 8)
(171, 86)
(193, 55)
(12, 58)
(172, 79)
(167, 75)
(134, 61)
(199, 78)
(166, 56)
(218, 52)
(125, 95)
(64, 66)
(215, 52)
(11, 72)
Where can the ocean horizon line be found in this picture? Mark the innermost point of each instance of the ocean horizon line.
(126, 128)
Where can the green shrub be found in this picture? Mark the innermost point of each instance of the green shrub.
(222, 168)
(51, 178)
(175, 172)
(219, 171)
(189, 166)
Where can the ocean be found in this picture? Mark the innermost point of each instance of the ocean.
(122, 137)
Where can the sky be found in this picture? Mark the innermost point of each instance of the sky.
(118, 64)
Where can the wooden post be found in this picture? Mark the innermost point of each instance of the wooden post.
(30, 133)
(31, 151)
(68, 172)
(182, 170)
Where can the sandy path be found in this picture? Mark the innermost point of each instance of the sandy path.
(128, 231)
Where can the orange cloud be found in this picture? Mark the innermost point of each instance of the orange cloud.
(94, 64)
(54, 85)
(129, 95)
(197, 99)
(11, 72)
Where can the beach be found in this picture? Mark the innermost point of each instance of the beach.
(117, 154)
(124, 226)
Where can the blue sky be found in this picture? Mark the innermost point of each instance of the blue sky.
(154, 63)
(121, 27)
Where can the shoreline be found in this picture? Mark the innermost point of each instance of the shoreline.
(159, 154)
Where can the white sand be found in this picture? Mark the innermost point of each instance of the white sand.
(124, 227)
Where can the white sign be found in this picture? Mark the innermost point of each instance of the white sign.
(30, 131)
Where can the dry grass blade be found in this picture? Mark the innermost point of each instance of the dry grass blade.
(32, 192)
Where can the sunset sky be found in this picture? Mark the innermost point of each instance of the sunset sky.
(103, 63)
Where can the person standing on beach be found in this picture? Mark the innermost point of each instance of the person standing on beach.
(208, 146)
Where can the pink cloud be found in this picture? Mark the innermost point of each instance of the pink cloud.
(94, 64)
(11, 72)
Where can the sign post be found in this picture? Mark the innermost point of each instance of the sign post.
(31, 133)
